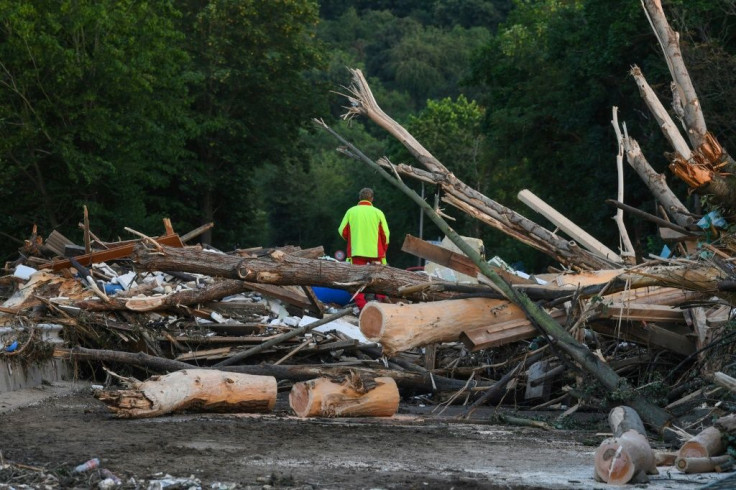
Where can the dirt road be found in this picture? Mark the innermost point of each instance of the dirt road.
(62, 428)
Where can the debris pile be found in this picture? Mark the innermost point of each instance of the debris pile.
(649, 338)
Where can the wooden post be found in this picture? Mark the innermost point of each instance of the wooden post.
(353, 397)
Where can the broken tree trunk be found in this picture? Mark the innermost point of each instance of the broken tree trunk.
(706, 168)
(627, 456)
(287, 270)
(706, 443)
(352, 397)
(204, 390)
(399, 327)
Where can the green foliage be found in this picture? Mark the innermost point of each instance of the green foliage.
(552, 74)
(251, 97)
(92, 109)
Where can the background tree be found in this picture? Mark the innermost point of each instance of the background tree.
(251, 97)
(92, 110)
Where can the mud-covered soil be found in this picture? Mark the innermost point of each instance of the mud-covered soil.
(41, 443)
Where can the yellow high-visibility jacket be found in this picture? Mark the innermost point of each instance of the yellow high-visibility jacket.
(365, 228)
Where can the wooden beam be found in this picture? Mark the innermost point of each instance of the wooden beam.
(651, 335)
(113, 253)
(505, 332)
(452, 260)
(567, 226)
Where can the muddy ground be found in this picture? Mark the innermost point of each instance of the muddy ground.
(46, 432)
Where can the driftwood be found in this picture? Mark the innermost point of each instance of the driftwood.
(352, 397)
(626, 457)
(203, 390)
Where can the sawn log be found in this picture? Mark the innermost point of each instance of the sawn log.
(352, 397)
(204, 390)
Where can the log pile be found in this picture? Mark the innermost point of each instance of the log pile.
(653, 332)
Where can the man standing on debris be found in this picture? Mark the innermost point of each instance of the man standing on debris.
(365, 228)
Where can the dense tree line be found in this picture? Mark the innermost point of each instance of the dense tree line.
(200, 110)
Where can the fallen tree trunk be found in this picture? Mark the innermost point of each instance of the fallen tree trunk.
(203, 390)
(351, 397)
(287, 270)
(702, 465)
(400, 327)
(706, 443)
(411, 382)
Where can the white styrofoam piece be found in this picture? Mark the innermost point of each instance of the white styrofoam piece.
(340, 325)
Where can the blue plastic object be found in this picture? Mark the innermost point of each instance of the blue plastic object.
(112, 288)
(330, 295)
(12, 346)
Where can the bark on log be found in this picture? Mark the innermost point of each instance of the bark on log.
(411, 382)
(352, 397)
(624, 459)
(203, 390)
(400, 327)
(285, 270)
(623, 419)
(690, 108)
(706, 443)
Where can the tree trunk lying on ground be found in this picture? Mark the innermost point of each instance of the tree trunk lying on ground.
(626, 457)
(704, 465)
(354, 396)
(204, 390)
(705, 444)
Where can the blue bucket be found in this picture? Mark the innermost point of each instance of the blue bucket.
(330, 295)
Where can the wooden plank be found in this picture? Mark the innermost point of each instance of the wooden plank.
(56, 242)
(112, 253)
(641, 312)
(209, 354)
(504, 332)
(283, 293)
(651, 335)
(224, 340)
(452, 260)
(567, 226)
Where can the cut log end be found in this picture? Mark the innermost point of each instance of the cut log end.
(371, 322)
(299, 399)
(613, 464)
